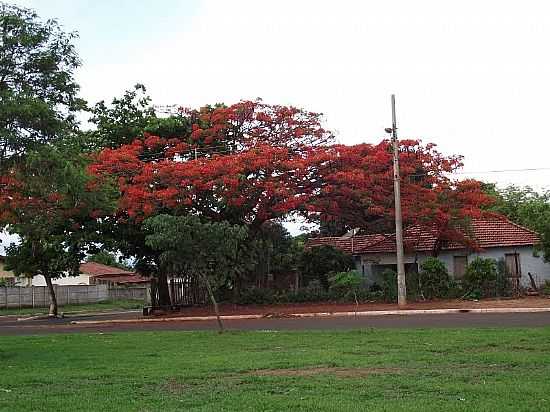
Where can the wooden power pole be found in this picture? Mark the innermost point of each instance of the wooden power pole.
(401, 285)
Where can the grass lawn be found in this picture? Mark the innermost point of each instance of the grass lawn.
(107, 305)
(388, 370)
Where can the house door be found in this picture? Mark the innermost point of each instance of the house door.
(513, 270)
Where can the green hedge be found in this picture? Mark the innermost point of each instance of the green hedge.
(257, 296)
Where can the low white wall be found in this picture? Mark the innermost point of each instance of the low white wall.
(38, 296)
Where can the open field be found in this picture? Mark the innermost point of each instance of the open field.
(374, 369)
(107, 305)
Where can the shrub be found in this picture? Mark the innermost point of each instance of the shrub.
(413, 289)
(321, 261)
(346, 287)
(545, 288)
(343, 282)
(309, 295)
(480, 277)
(433, 279)
(389, 285)
(257, 296)
(455, 289)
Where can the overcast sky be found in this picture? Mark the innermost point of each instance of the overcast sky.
(471, 76)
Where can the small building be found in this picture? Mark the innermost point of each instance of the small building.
(494, 238)
(7, 278)
(92, 273)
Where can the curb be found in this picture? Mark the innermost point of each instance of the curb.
(403, 312)
(75, 314)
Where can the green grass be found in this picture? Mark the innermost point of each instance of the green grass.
(108, 305)
(386, 370)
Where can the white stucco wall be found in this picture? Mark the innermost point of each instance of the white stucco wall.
(529, 263)
(69, 280)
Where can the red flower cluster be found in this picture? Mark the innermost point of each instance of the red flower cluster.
(252, 162)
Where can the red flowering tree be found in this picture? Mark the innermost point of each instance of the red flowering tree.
(53, 205)
(358, 190)
(251, 163)
(243, 164)
(246, 164)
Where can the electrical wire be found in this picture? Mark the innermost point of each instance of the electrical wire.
(531, 169)
(206, 151)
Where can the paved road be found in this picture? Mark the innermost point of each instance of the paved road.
(10, 326)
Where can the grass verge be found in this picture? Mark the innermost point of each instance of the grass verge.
(386, 370)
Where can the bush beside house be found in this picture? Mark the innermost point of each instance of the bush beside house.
(483, 278)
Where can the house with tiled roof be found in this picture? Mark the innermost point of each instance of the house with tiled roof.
(494, 237)
(92, 273)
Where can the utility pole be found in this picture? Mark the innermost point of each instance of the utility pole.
(401, 285)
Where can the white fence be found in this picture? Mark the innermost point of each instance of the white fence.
(38, 296)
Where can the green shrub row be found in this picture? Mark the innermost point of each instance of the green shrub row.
(257, 296)
(483, 278)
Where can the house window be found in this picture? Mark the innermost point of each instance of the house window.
(459, 266)
(513, 266)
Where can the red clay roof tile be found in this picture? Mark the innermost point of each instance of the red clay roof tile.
(96, 269)
(486, 233)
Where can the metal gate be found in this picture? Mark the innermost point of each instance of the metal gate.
(184, 291)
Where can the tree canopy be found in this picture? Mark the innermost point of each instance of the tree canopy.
(189, 246)
(55, 206)
(38, 92)
(524, 206)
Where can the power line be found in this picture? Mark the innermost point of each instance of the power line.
(531, 169)
(224, 150)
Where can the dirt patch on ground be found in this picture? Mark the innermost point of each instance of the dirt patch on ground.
(339, 372)
(285, 310)
(175, 387)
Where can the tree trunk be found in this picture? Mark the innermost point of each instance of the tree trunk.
(214, 302)
(53, 299)
(237, 288)
(164, 292)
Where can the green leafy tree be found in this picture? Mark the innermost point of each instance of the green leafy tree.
(527, 207)
(38, 92)
(54, 206)
(105, 257)
(275, 251)
(126, 118)
(190, 246)
(319, 262)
